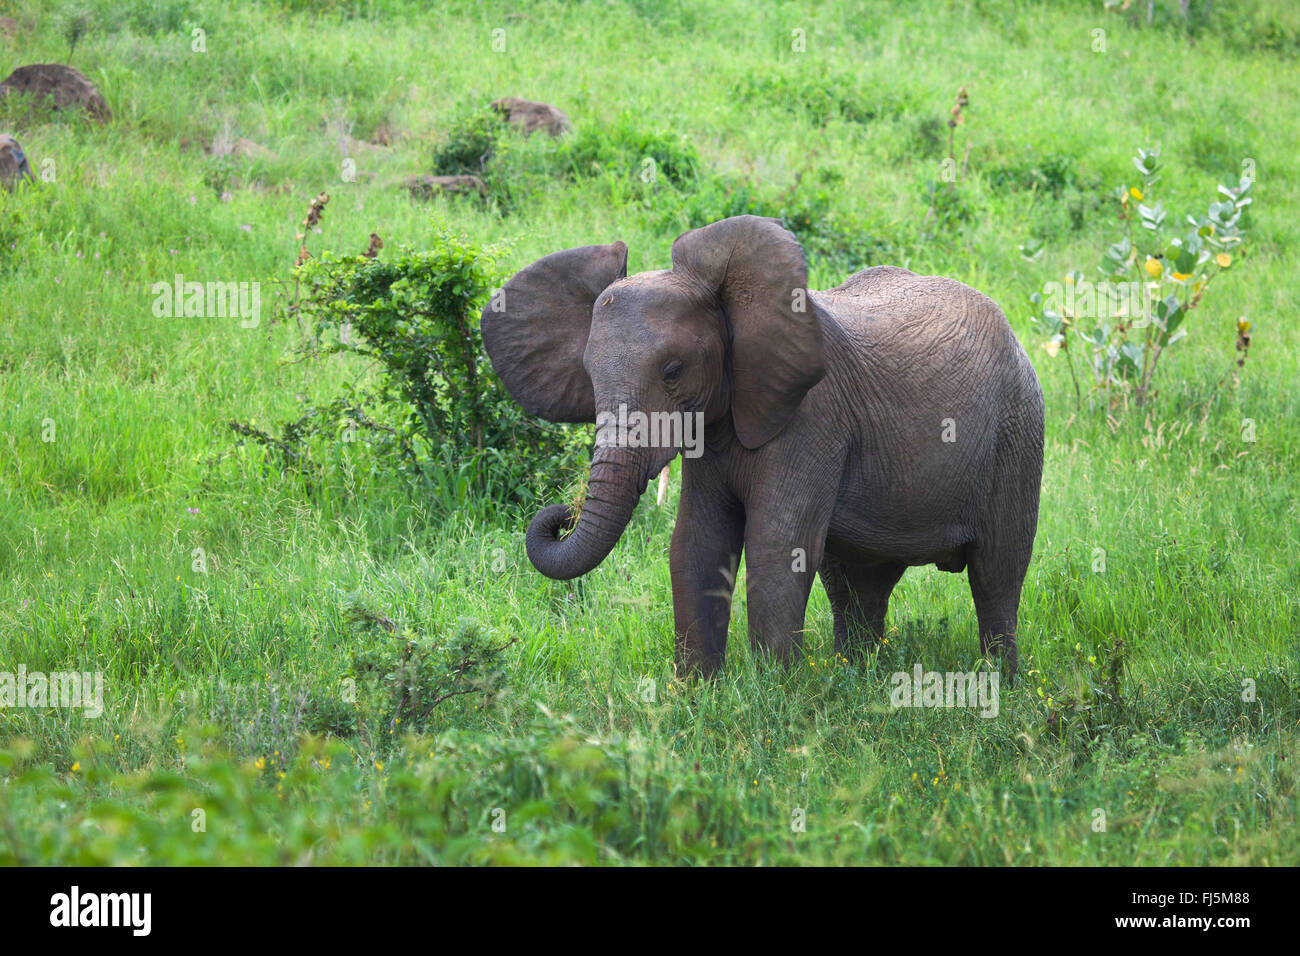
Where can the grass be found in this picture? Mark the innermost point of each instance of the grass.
(228, 671)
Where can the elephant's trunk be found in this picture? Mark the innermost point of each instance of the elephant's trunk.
(618, 478)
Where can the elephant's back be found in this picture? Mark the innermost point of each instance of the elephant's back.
(930, 318)
(931, 338)
(930, 305)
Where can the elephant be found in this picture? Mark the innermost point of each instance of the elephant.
(892, 421)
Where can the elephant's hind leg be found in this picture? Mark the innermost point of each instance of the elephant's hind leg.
(995, 583)
(999, 559)
(859, 596)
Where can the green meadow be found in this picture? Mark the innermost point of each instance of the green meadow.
(283, 656)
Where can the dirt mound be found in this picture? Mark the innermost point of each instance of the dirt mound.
(529, 117)
(64, 86)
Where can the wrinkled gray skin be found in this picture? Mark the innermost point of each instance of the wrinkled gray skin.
(824, 429)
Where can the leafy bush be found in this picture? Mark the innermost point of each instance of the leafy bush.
(437, 409)
(627, 150)
(403, 678)
(468, 144)
(1151, 278)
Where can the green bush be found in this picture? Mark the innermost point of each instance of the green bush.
(1150, 280)
(436, 410)
(468, 144)
(627, 150)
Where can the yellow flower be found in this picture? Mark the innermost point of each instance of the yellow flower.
(1243, 326)
(1052, 347)
(1223, 259)
(1135, 193)
(261, 763)
(76, 766)
(1182, 276)
(1154, 268)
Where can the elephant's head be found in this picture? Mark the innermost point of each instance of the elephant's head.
(728, 335)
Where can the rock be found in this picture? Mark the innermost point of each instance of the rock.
(68, 88)
(424, 187)
(529, 117)
(13, 162)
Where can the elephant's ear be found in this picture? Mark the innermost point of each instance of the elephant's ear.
(535, 329)
(759, 274)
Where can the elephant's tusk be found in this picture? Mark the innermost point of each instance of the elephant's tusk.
(663, 486)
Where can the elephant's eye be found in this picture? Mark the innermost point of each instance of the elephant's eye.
(673, 370)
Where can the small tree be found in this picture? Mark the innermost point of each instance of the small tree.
(416, 315)
(1151, 278)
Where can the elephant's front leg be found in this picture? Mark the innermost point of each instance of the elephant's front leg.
(706, 547)
(782, 554)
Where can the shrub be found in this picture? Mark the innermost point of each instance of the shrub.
(1151, 278)
(627, 150)
(404, 677)
(436, 410)
(468, 145)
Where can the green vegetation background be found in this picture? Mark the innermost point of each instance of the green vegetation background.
(228, 734)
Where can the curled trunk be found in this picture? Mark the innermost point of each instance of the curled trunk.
(618, 478)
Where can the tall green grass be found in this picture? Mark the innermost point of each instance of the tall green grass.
(208, 673)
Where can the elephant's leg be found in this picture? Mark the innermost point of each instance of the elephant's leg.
(996, 578)
(782, 554)
(998, 561)
(859, 596)
(705, 555)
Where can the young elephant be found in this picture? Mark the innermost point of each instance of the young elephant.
(892, 421)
